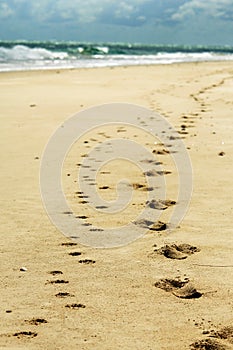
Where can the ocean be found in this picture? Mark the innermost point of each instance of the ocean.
(37, 55)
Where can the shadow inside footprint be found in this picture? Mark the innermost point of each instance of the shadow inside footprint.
(187, 292)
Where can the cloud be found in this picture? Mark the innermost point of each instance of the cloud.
(81, 17)
(218, 9)
(5, 10)
(118, 12)
(130, 13)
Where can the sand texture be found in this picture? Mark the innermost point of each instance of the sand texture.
(165, 291)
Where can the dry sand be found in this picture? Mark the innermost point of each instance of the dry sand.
(134, 297)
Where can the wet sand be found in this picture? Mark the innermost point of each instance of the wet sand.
(163, 291)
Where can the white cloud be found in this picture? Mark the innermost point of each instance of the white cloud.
(78, 10)
(120, 12)
(5, 10)
(211, 8)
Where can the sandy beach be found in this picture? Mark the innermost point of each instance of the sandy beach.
(161, 292)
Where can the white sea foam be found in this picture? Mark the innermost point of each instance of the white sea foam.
(22, 57)
(24, 53)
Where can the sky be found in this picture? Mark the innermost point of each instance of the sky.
(204, 22)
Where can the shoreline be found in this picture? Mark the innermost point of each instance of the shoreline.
(117, 66)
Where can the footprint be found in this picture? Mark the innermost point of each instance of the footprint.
(36, 321)
(143, 223)
(25, 334)
(63, 295)
(175, 251)
(160, 204)
(170, 285)
(75, 253)
(181, 289)
(221, 154)
(151, 225)
(183, 132)
(158, 226)
(207, 344)
(151, 161)
(57, 282)
(148, 189)
(187, 292)
(97, 229)
(164, 172)
(75, 306)
(69, 244)
(105, 172)
(160, 152)
(82, 217)
(225, 333)
(55, 272)
(87, 261)
(151, 173)
(137, 186)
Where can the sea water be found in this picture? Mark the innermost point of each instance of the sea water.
(31, 55)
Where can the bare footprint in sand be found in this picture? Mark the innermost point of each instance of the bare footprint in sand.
(226, 333)
(75, 306)
(57, 282)
(177, 251)
(208, 344)
(187, 292)
(25, 334)
(156, 173)
(69, 244)
(160, 152)
(36, 321)
(180, 288)
(223, 338)
(158, 226)
(63, 295)
(151, 225)
(75, 253)
(56, 272)
(160, 204)
(87, 261)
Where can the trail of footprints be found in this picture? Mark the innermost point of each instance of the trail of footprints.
(57, 280)
(178, 287)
